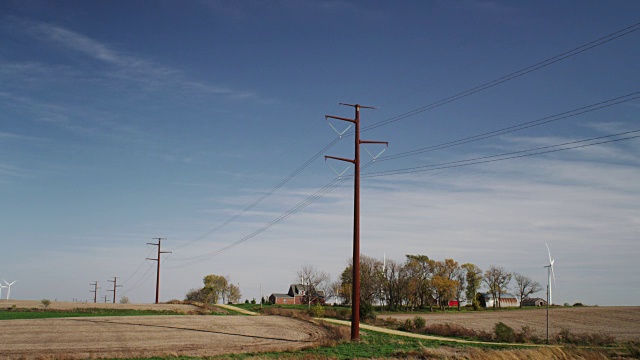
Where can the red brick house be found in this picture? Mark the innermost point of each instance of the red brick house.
(297, 294)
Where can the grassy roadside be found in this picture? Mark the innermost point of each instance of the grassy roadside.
(383, 346)
(16, 314)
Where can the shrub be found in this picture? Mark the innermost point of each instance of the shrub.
(578, 304)
(567, 304)
(593, 339)
(45, 303)
(253, 301)
(316, 310)
(407, 325)
(633, 348)
(124, 300)
(419, 323)
(367, 312)
(504, 333)
(527, 335)
(453, 330)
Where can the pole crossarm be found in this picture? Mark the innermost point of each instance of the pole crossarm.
(339, 158)
(386, 143)
(327, 117)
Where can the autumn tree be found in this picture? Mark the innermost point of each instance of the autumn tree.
(420, 271)
(233, 294)
(473, 279)
(444, 282)
(525, 286)
(215, 287)
(371, 278)
(497, 280)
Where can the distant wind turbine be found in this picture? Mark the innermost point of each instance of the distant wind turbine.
(1, 287)
(549, 274)
(8, 287)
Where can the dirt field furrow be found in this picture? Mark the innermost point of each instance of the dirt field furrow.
(154, 335)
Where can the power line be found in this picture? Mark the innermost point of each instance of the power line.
(575, 51)
(537, 66)
(522, 126)
(332, 185)
(505, 156)
(264, 196)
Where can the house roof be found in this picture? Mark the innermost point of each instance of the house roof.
(502, 296)
(281, 295)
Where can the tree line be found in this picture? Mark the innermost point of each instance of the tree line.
(421, 282)
(216, 287)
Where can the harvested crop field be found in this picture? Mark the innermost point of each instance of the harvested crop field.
(622, 322)
(137, 336)
(67, 305)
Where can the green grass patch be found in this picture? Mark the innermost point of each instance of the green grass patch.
(371, 345)
(49, 313)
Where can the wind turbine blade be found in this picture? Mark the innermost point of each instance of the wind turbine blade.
(549, 251)
(553, 274)
(5, 281)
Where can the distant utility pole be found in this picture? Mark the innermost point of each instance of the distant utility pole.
(95, 291)
(115, 285)
(158, 260)
(355, 299)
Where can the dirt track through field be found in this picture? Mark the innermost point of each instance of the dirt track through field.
(146, 336)
(622, 322)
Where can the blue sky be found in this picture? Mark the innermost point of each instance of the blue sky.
(125, 121)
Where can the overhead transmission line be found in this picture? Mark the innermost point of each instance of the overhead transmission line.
(516, 74)
(575, 51)
(514, 128)
(340, 180)
(507, 156)
(336, 182)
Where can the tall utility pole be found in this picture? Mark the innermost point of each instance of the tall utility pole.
(95, 291)
(355, 297)
(158, 260)
(115, 285)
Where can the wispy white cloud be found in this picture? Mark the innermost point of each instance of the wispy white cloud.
(122, 65)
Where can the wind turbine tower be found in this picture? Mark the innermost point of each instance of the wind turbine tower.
(550, 273)
(8, 287)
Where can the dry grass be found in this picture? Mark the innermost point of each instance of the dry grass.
(446, 353)
(622, 322)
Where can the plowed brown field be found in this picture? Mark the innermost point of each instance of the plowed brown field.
(622, 322)
(67, 305)
(136, 336)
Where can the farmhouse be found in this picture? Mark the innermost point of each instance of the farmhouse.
(534, 302)
(506, 300)
(297, 294)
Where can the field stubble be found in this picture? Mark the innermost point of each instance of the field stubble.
(621, 322)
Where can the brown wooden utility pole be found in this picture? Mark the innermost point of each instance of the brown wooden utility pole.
(158, 260)
(115, 285)
(95, 291)
(355, 297)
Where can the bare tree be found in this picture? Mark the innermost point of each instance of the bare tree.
(313, 281)
(525, 286)
(497, 279)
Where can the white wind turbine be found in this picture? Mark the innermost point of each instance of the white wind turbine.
(8, 287)
(1, 287)
(549, 274)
